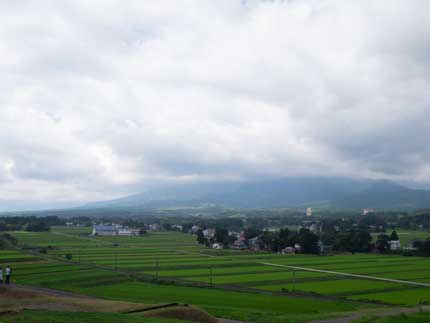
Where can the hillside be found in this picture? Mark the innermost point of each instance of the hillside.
(322, 192)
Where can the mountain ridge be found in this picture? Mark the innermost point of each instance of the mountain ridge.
(342, 193)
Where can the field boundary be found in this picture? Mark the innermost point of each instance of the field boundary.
(405, 282)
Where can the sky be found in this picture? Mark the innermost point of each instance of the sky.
(101, 99)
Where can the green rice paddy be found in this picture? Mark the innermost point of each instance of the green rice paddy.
(231, 284)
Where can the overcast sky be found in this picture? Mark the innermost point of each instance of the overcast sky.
(100, 99)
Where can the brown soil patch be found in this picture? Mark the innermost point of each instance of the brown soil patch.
(187, 313)
(16, 293)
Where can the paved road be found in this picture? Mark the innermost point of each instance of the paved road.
(405, 282)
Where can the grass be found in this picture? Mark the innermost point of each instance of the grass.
(177, 255)
(332, 287)
(411, 296)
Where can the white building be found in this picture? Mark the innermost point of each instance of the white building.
(104, 230)
(395, 245)
(217, 245)
(209, 233)
(154, 227)
(177, 227)
(297, 248)
(309, 211)
(128, 232)
(367, 211)
(109, 230)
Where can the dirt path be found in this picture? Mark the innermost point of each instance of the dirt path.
(46, 291)
(388, 312)
(405, 282)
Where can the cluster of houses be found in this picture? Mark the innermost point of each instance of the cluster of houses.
(240, 242)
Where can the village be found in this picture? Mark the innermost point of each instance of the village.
(311, 236)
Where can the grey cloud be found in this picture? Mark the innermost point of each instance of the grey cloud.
(101, 99)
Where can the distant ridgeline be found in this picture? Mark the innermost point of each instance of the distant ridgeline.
(317, 192)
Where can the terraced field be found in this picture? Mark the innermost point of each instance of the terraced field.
(122, 268)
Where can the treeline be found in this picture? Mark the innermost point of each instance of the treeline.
(275, 241)
(29, 223)
(7, 241)
(419, 220)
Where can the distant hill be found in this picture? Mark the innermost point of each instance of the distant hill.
(386, 195)
(341, 193)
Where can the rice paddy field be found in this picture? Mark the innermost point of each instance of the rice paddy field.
(171, 267)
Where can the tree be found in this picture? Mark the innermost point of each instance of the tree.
(186, 227)
(423, 247)
(201, 237)
(167, 226)
(221, 235)
(7, 241)
(343, 241)
(361, 241)
(37, 226)
(394, 236)
(308, 241)
(382, 243)
(284, 235)
(269, 241)
(251, 232)
(353, 241)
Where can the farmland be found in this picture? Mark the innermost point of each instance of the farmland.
(171, 267)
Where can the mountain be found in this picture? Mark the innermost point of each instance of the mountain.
(386, 195)
(339, 193)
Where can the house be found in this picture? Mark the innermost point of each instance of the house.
(154, 227)
(394, 244)
(218, 245)
(209, 233)
(238, 244)
(177, 227)
(288, 251)
(297, 248)
(195, 228)
(314, 227)
(232, 233)
(128, 232)
(104, 230)
(367, 211)
(254, 243)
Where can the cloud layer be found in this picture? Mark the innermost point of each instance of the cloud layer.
(103, 98)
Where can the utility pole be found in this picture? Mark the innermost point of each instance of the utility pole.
(116, 261)
(156, 268)
(294, 280)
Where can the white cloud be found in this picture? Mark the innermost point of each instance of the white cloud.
(98, 98)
